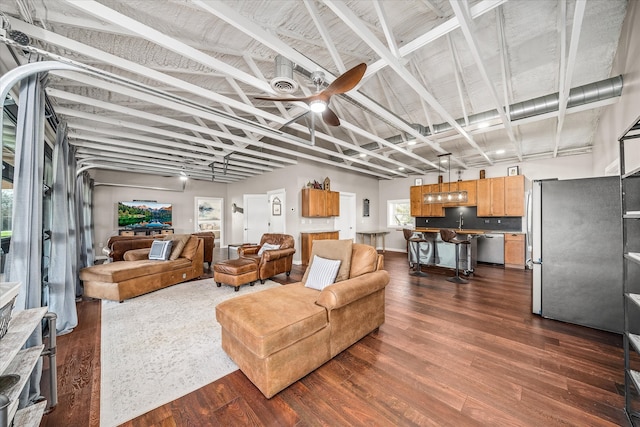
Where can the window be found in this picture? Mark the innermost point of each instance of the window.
(399, 213)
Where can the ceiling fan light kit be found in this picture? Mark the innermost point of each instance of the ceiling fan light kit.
(317, 105)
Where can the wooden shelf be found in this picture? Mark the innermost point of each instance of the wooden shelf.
(21, 365)
(20, 328)
(30, 416)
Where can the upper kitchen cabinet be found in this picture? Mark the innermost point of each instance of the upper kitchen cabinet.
(320, 203)
(469, 186)
(415, 197)
(514, 195)
(502, 196)
(431, 209)
(491, 197)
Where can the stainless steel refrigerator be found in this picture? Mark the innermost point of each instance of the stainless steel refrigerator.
(576, 250)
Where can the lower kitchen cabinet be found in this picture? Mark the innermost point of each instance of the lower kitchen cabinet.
(307, 242)
(514, 250)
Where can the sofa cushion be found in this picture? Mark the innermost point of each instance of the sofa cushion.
(119, 271)
(332, 249)
(190, 248)
(259, 321)
(364, 259)
(322, 272)
(179, 240)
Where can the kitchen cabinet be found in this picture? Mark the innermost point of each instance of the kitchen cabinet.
(514, 195)
(320, 203)
(21, 362)
(432, 209)
(307, 239)
(514, 250)
(471, 187)
(491, 197)
(630, 201)
(415, 198)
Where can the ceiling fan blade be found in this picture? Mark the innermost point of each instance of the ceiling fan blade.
(330, 117)
(306, 99)
(346, 81)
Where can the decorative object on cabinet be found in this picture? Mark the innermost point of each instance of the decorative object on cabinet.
(630, 204)
(418, 181)
(365, 207)
(327, 184)
(513, 171)
(482, 173)
(447, 196)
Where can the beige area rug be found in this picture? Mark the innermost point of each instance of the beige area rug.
(161, 346)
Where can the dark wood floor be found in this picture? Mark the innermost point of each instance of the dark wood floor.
(458, 355)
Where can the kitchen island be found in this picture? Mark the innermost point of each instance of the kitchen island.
(442, 254)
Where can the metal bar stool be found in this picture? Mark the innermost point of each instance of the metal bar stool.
(410, 237)
(450, 236)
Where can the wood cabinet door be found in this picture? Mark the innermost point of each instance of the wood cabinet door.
(451, 186)
(484, 197)
(514, 254)
(497, 196)
(432, 209)
(514, 195)
(415, 198)
(333, 203)
(314, 202)
(471, 187)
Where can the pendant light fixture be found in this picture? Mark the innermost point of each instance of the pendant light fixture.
(445, 196)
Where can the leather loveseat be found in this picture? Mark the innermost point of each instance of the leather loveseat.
(119, 245)
(137, 274)
(274, 261)
(279, 335)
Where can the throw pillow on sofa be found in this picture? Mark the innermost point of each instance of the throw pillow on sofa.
(160, 250)
(179, 240)
(322, 273)
(267, 247)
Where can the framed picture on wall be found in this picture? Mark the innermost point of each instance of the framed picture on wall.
(208, 215)
(513, 171)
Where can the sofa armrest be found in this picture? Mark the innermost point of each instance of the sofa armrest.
(136, 254)
(275, 254)
(342, 293)
(248, 250)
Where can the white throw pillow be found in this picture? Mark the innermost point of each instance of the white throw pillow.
(160, 250)
(268, 247)
(322, 272)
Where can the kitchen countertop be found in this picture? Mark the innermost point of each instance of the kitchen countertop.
(468, 231)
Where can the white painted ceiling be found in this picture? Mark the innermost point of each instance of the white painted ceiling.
(179, 79)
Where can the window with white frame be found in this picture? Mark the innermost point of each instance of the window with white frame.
(399, 213)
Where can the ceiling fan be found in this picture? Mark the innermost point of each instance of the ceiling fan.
(320, 101)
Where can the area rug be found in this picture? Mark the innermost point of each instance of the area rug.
(161, 346)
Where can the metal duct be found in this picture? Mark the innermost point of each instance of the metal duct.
(581, 95)
(283, 81)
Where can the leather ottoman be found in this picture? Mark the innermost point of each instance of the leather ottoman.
(235, 272)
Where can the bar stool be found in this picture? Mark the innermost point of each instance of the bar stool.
(410, 237)
(450, 236)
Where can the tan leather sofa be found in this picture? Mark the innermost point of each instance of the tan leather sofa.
(137, 274)
(274, 261)
(279, 335)
(119, 245)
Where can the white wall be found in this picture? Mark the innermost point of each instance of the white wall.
(106, 198)
(618, 117)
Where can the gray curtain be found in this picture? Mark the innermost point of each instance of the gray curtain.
(25, 257)
(63, 265)
(84, 206)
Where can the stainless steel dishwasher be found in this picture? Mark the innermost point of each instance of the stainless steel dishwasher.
(491, 248)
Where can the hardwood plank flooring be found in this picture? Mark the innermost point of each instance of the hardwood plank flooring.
(463, 355)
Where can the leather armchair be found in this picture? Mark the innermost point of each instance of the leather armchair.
(209, 238)
(274, 261)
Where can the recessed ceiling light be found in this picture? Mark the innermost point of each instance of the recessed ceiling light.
(412, 142)
(500, 151)
(401, 168)
(483, 125)
(363, 154)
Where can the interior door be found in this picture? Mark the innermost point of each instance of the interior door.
(277, 211)
(346, 222)
(256, 217)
